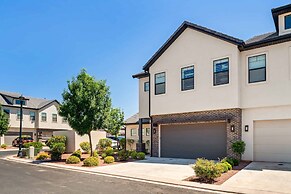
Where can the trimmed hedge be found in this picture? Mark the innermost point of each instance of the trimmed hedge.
(85, 146)
(109, 159)
(223, 167)
(57, 151)
(104, 143)
(77, 153)
(123, 155)
(133, 154)
(56, 139)
(73, 160)
(91, 161)
(42, 156)
(38, 145)
(206, 170)
(140, 156)
(109, 151)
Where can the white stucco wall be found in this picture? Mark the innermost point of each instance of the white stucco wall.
(260, 114)
(200, 50)
(143, 99)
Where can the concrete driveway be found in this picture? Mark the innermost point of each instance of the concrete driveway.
(264, 177)
(161, 169)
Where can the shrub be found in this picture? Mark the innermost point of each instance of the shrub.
(38, 145)
(57, 151)
(122, 143)
(4, 146)
(42, 156)
(238, 147)
(109, 151)
(103, 155)
(95, 153)
(91, 161)
(73, 160)
(133, 154)
(109, 159)
(206, 170)
(77, 153)
(104, 143)
(228, 160)
(235, 161)
(56, 139)
(85, 146)
(223, 167)
(123, 155)
(140, 156)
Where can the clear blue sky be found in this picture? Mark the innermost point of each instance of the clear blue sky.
(44, 43)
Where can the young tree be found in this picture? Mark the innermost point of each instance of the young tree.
(4, 122)
(114, 121)
(86, 104)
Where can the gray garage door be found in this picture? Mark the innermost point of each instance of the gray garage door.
(194, 141)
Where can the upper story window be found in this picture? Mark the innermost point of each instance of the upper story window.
(19, 101)
(133, 132)
(54, 118)
(257, 68)
(43, 117)
(146, 86)
(160, 83)
(64, 120)
(187, 78)
(221, 72)
(32, 116)
(287, 22)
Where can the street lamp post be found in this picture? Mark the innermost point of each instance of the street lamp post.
(21, 98)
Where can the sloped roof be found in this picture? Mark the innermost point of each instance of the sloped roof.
(133, 119)
(34, 103)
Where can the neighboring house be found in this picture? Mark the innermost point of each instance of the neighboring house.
(40, 117)
(203, 90)
(132, 133)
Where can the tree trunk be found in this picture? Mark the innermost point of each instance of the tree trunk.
(91, 147)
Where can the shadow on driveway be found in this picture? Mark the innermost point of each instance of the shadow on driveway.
(260, 166)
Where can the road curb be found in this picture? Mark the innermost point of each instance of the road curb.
(172, 184)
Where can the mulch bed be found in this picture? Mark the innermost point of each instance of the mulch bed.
(84, 156)
(224, 177)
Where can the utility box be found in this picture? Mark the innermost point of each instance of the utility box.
(31, 152)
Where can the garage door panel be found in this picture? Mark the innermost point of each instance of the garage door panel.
(193, 141)
(272, 141)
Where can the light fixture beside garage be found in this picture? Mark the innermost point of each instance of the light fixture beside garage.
(246, 128)
(232, 128)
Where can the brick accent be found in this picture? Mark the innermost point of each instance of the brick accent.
(231, 116)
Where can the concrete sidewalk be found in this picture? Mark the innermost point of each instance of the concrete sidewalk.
(155, 170)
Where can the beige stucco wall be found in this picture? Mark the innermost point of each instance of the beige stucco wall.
(276, 91)
(259, 114)
(281, 24)
(74, 140)
(143, 99)
(198, 49)
(136, 137)
(49, 124)
(26, 123)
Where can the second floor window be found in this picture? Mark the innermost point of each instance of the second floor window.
(220, 72)
(43, 117)
(257, 68)
(133, 132)
(146, 86)
(19, 101)
(288, 22)
(160, 83)
(32, 116)
(65, 120)
(54, 118)
(187, 78)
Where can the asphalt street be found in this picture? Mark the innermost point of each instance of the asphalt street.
(24, 178)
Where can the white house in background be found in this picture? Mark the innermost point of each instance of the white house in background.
(40, 117)
(203, 90)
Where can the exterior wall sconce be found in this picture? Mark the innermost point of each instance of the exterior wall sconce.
(232, 128)
(154, 130)
(246, 128)
(155, 125)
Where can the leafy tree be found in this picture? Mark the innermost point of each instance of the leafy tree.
(4, 122)
(114, 121)
(86, 104)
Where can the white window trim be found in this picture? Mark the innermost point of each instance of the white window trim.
(153, 90)
(247, 69)
(229, 71)
(282, 24)
(195, 75)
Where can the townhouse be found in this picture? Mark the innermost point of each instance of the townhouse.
(203, 90)
(40, 117)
